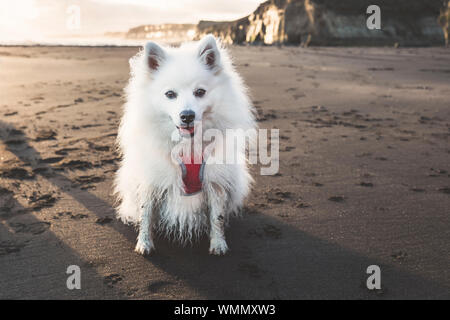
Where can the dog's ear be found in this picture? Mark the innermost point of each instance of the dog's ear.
(209, 53)
(155, 55)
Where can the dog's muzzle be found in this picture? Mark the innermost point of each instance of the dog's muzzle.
(187, 127)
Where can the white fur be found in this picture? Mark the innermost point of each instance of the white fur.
(148, 183)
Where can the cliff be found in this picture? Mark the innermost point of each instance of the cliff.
(331, 22)
(444, 21)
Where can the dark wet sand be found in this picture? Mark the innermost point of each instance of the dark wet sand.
(364, 179)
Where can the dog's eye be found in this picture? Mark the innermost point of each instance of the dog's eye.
(170, 94)
(199, 93)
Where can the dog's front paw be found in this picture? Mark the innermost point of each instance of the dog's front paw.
(144, 247)
(218, 246)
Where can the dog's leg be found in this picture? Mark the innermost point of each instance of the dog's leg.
(145, 239)
(218, 245)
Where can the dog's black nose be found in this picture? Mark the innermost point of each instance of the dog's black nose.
(187, 116)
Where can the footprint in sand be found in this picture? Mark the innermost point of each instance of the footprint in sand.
(250, 210)
(156, 286)
(298, 96)
(16, 173)
(45, 134)
(69, 214)
(366, 184)
(7, 201)
(250, 269)
(267, 231)
(103, 220)
(75, 164)
(65, 151)
(277, 196)
(97, 147)
(34, 228)
(287, 149)
(317, 184)
(51, 160)
(112, 279)
(15, 143)
(87, 182)
(399, 255)
(7, 247)
(272, 231)
(38, 201)
(337, 198)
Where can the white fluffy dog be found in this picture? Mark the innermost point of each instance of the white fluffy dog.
(173, 92)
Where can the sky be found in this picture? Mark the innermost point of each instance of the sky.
(43, 19)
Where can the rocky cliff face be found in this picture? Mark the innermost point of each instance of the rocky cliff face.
(333, 22)
(444, 21)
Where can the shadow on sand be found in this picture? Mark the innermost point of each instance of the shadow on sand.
(286, 264)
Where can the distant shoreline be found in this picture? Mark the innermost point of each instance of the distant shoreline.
(69, 45)
(136, 45)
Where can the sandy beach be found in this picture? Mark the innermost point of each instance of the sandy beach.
(364, 179)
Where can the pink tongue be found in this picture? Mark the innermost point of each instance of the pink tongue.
(187, 130)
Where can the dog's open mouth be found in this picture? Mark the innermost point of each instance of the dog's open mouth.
(187, 131)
